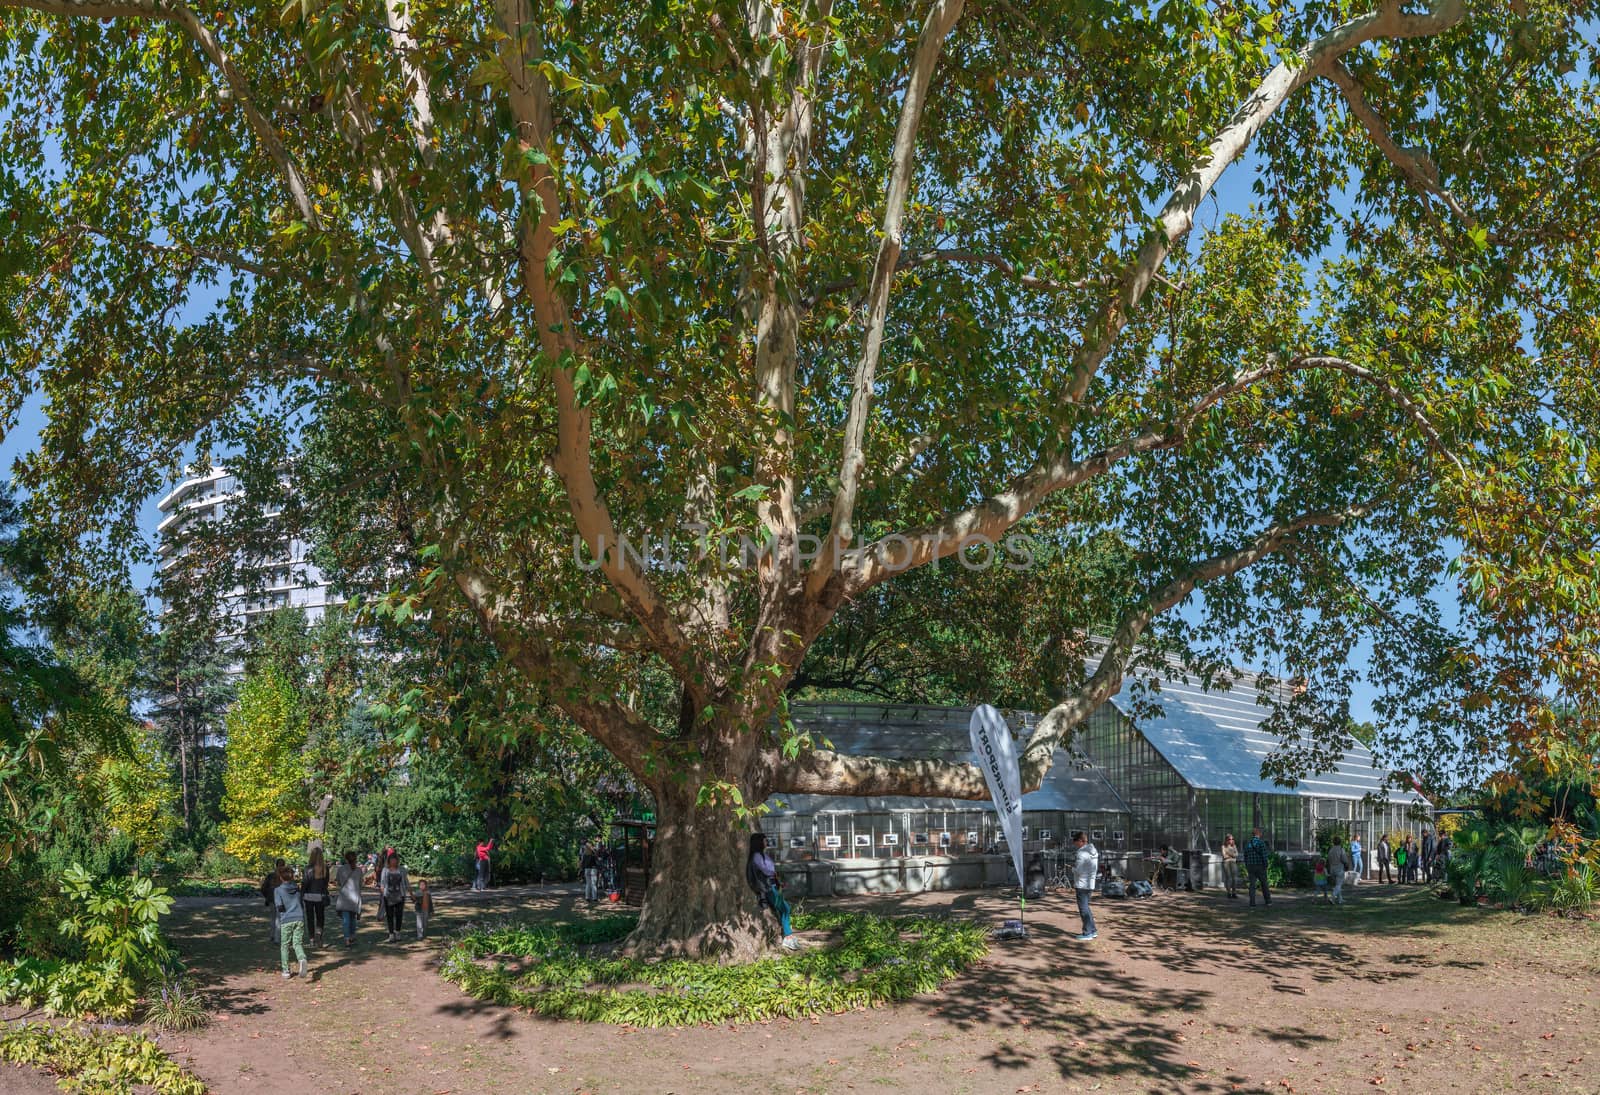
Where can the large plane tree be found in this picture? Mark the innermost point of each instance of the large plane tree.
(1293, 303)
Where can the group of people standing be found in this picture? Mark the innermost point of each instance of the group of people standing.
(297, 902)
(1413, 860)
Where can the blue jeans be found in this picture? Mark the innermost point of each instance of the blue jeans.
(1085, 912)
(776, 902)
(349, 918)
(1258, 877)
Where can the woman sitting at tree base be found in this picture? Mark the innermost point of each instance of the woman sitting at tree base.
(762, 874)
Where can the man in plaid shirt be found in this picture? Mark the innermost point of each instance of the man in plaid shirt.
(1256, 854)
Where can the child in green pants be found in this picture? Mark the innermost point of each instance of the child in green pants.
(291, 921)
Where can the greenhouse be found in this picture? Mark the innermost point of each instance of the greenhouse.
(1184, 772)
(1075, 794)
(1188, 763)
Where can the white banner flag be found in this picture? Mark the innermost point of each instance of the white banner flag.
(997, 756)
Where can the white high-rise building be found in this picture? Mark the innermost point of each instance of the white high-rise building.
(287, 577)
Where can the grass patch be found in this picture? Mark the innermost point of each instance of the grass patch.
(877, 960)
(98, 1062)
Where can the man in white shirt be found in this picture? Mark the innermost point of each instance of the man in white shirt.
(1085, 873)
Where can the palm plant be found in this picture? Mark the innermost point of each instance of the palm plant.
(1509, 875)
(1469, 856)
(1576, 891)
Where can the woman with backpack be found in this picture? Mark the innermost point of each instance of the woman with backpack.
(393, 887)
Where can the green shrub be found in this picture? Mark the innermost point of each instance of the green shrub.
(1508, 877)
(97, 1062)
(1277, 870)
(1327, 830)
(216, 865)
(877, 960)
(1300, 872)
(1575, 892)
(433, 837)
(188, 888)
(113, 930)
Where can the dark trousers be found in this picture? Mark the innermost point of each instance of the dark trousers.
(394, 915)
(1258, 877)
(1384, 874)
(1086, 912)
(316, 916)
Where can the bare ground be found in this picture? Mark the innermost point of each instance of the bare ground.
(1189, 993)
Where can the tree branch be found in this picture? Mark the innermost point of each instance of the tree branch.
(940, 255)
(187, 21)
(1416, 165)
(936, 27)
(1172, 224)
(520, 53)
(627, 736)
(989, 518)
(824, 772)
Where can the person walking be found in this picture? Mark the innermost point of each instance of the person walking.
(1230, 865)
(291, 920)
(423, 906)
(762, 875)
(1356, 858)
(1384, 855)
(589, 864)
(348, 903)
(394, 884)
(480, 880)
(1339, 865)
(269, 886)
(1256, 857)
(314, 892)
(1085, 874)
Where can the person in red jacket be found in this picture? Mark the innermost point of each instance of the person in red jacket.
(480, 881)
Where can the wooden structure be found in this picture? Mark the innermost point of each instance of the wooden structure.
(630, 843)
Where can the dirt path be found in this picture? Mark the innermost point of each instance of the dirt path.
(1188, 993)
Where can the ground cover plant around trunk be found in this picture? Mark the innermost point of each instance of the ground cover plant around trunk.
(571, 971)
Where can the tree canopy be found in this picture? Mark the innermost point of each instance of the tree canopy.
(869, 287)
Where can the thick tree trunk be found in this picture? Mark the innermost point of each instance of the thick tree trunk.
(698, 904)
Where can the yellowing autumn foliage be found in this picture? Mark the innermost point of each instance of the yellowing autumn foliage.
(138, 793)
(264, 807)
